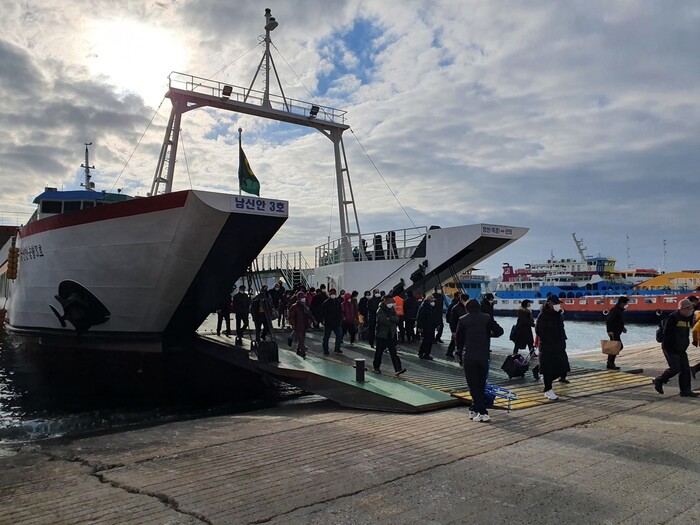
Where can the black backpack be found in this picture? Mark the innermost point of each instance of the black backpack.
(660, 331)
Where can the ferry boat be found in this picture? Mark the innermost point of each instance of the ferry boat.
(568, 277)
(109, 271)
(649, 301)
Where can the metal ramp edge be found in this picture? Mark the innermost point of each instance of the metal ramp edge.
(331, 379)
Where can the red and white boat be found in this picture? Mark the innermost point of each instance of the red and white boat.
(138, 273)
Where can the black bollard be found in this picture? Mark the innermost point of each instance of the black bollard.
(360, 370)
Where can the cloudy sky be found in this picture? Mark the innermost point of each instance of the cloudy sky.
(557, 116)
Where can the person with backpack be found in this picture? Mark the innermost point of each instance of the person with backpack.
(615, 326)
(676, 339)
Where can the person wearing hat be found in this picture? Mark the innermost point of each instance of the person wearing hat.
(474, 332)
(553, 359)
(615, 326)
(385, 337)
(332, 316)
(676, 339)
(301, 319)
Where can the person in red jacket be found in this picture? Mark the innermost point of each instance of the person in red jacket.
(301, 319)
(349, 317)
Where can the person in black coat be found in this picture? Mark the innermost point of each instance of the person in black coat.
(223, 313)
(372, 306)
(332, 315)
(615, 326)
(487, 304)
(454, 312)
(474, 333)
(439, 308)
(553, 359)
(676, 339)
(241, 307)
(410, 312)
(522, 333)
(427, 320)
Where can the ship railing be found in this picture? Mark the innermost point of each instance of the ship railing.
(254, 97)
(376, 246)
(292, 266)
(14, 218)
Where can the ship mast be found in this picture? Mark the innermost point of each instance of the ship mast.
(89, 186)
(188, 92)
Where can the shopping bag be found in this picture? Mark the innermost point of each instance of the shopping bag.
(610, 347)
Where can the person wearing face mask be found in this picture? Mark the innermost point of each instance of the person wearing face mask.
(332, 316)
(453, 315)
(615, 326)
(349, 317)
(301, 319)
(676, 339)
(372, 306)
(387, 322)
(553, 359)
(362, 309)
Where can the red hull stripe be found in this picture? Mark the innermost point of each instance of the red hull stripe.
(107, 212)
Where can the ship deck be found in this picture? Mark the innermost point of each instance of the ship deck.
(426, 385)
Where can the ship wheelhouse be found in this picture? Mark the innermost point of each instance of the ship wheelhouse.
(53, 202)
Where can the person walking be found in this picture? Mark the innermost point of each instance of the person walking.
(522, 333)
(487, 303)
(349, 317)
(332, 317)
(241, 308)
(372, 306)
(676, 339)
(385, 337)
(553, 359)
(439, 309)
(260, 308)
(458, 310)
(427, 321)
(301, 319)
(223, 313)
(615, 326)
(474, 332)
(695, 332)
(451, 346)
(410, 312)
(399, 300)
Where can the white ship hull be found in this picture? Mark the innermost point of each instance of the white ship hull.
(158, 265)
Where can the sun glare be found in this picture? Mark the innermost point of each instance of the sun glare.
(135, 57)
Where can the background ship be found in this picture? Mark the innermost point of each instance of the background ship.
(589, 286)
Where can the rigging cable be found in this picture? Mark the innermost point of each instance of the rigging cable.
(137, 144)
(383, 179)
(235, 60)
(187, 165)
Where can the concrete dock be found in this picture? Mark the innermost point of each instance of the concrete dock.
(623, 456)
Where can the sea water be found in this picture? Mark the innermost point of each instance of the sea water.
(585, 336)
(48, 393)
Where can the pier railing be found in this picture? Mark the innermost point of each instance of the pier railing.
(14, 218)
(376, 246)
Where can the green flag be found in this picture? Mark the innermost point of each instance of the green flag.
(247, 181)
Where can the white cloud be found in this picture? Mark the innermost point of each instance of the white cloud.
(574, 117)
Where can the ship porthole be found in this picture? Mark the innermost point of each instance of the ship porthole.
(658, 313)
(605, 312)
